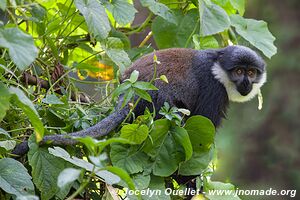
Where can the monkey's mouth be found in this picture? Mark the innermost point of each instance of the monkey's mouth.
(244, 90)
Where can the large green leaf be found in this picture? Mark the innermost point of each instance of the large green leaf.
(128, 158)
(197, 164)
(8, 144)
(256, 32)
(45, 170)
(122, 174)
(67, 176)
(114, 49)
(122, 11)
(201, 132)
(14, 178)
(4, 100)
(20, 45)
(167, 35)
(135, 132)
(21, 100)
(107, 176)
(181, 136)
(213, 18)
(239, 5)
(167, 157)
(95, 17)
(216, 186)
(159, 9)
(3, 4)
(157, 184)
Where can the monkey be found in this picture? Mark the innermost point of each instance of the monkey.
(202, 81)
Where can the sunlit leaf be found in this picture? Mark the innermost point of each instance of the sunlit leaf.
(256, 32)
(20, 45)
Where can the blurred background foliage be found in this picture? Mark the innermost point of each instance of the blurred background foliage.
(260, 149)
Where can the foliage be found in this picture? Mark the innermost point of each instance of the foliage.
(43, 42)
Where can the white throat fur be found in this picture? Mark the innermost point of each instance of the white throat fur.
(230, 87)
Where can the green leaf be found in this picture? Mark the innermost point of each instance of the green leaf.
(256, 32)
(3, 132)
(181, 136)
(157, 184)
(134, 76)
(239, 5)
(27, 197)
(208, 42)
(122, 11)
(8, 144)
(159, 9)
(135, 132)
(114, 48)
(3, 4)
(45, 170)
(52, 99)
(123, 175)
(127, 97)
(167, 158)
(201, 132)
(197, 164)
(143, 94)
(167, 35)
(20, 45)
(219, 186)
(14, 178)
(141, 181)
(107, 176)
(213, 19)
(128, 158)
(67, 176)
(95, 17)
(20, 99)
(144, 85)
(122, 88)
(4, 100)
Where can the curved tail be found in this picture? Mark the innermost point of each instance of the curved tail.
(102, 128)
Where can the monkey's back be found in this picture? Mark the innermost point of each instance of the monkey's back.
(174, 63)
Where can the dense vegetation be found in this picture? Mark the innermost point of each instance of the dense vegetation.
(43, 44)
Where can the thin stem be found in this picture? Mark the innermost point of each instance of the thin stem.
(144, 25)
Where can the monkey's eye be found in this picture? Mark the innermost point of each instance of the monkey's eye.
(239, 71)
(252, 73)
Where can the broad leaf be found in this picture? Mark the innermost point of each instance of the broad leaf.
(159, 9)
(20, 99)
(201, 132)
(114, 49)
(67, 176)
(122, 11)
(167, 35)
(128, 158)
(52, 99)
(135, 132)
(181, 136)
(197, 164)
(208, 42)
(4, 100)
(157, 184)
(14, 178)
(107, 176)
(213, 19)
(167, 158)
(239, 5)
(45, 170)
(123, 175)
(8, 144)
(3, 5)
(20, 45)
(144, 85)
(256, 32)
(219, 186)
(95, 17)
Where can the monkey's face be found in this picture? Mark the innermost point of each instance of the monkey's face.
(244, 77)
(241, 71)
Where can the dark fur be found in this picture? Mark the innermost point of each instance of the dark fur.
(191, 83)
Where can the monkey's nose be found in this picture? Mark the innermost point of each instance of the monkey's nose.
(244, 90)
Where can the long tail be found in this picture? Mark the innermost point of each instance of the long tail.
(102, 128)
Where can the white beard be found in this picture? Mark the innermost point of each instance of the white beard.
(230, 87)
